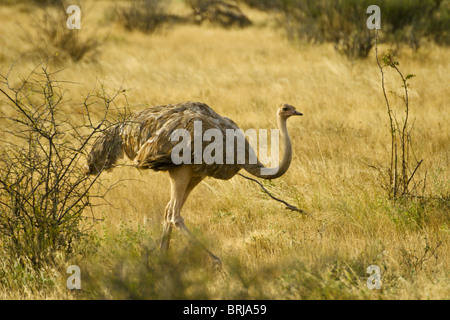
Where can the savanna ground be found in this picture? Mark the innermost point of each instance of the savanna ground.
(268, 252)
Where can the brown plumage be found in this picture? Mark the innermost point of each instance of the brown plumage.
(146, 139)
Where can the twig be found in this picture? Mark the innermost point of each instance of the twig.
(288, 206)
(412, 175)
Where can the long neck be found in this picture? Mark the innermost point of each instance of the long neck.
(260, 171)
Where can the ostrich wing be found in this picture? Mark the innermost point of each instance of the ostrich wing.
(147, 134)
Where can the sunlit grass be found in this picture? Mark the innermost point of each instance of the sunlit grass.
(268, 252)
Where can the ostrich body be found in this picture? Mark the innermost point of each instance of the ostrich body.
(146, 139)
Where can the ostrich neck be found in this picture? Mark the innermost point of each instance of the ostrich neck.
(257, 169)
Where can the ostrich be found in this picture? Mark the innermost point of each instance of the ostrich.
(146, 139)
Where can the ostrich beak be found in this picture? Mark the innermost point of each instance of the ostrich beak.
(296, 113)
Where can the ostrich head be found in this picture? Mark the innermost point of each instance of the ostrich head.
(107, 149)
(286, 110)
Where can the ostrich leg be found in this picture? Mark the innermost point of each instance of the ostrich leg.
(167, 230)
(167, 227)
(182, 183)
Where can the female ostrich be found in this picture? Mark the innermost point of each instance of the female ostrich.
(146, 138)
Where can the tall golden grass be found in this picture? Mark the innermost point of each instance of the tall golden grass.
(268, 252)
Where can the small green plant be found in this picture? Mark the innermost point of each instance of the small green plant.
(414, 260)
(401, 169)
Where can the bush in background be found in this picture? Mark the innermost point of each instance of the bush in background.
(265, 5)
(343, 22)
(143, 15)
(219, 12)
(54, 37)
(42, 3)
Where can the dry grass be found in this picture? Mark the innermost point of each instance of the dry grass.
(268, 252)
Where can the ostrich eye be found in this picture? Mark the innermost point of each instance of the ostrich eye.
(285, 109)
